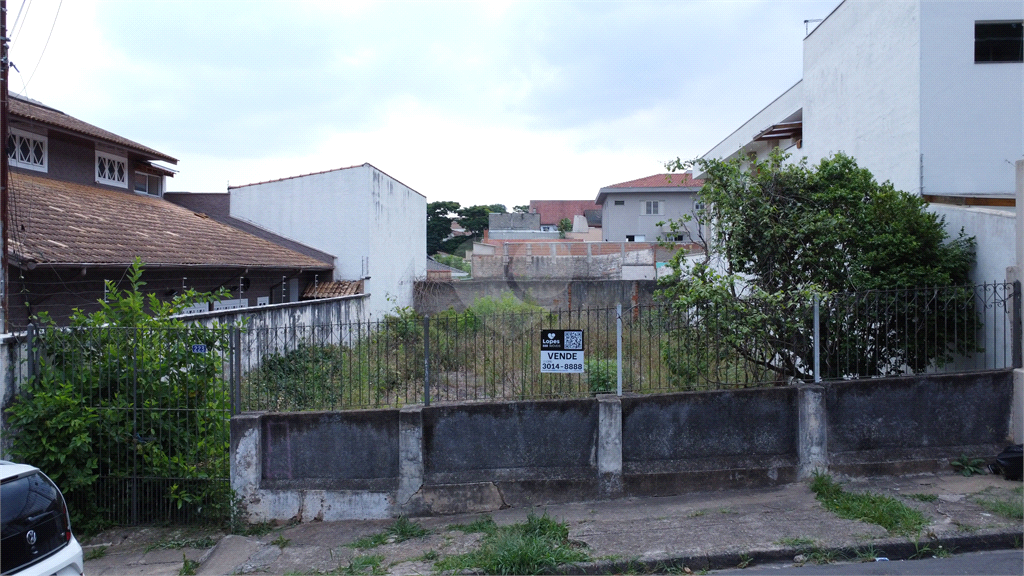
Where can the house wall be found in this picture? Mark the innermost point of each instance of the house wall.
(619, 221)
(862, 89)
(994, 231)
(971, 114)
(472, 458)
(373, 225)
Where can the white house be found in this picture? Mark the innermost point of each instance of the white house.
(638, 210)
(375, 226)
(928, 95)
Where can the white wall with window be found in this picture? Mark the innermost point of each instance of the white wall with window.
(27, 150)
(111, 169)
(633, 216)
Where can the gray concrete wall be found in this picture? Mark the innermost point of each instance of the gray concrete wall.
(427, 460)
(434, 297)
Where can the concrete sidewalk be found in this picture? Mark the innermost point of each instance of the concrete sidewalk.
(698, 531)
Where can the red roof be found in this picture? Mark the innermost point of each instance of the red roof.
(684, 179)
(552, 211)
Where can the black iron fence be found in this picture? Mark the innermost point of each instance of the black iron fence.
(145, 413)
(494, 354)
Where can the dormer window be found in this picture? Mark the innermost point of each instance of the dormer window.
(148, 183)
(26, 150)
(111, 170)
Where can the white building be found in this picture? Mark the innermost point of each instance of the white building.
(375, 226)
(928, 95)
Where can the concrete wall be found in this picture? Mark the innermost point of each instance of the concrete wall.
(862, 89)
(373, 225)
(971, 113)
(572, 260)
(434, 297)
(994, 230)
(426, 460)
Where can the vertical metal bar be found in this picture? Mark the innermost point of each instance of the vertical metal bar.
(135, 426)
(817, 341)
(618, 348)
(1016, 328)
(235, 362)
(426, 360)
(31, 351)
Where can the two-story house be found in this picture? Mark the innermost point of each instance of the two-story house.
(85, 202)
(639, 210)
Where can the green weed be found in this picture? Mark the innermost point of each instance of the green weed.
(538, 545)
(362, 565)
(281, 542)
(884, 511)
(483, 524)
(1012, 508)
(401, 530)
(968, 466)
(796, 542)
(96, 553)
(188, 567)
(178, 544)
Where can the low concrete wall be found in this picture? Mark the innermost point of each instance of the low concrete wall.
(434, 297)
(480, 457)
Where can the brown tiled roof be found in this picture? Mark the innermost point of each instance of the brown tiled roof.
(334, 289)
(684, 179)
(552, 211)
(35, 111)
(62, 223)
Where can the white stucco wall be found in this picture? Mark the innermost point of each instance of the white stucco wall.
(994, 231)
(861, 89)
(371, 223)
(972, 115)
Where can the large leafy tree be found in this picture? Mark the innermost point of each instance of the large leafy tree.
(782, 234)
(440, 216)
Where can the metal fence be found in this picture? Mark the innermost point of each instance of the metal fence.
(495, 355)
(144, 420)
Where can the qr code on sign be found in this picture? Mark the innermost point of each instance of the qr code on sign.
(574, 339)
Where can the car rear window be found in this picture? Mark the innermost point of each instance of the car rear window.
(30, 503)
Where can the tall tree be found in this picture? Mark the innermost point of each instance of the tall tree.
(783, 233)
(475, 219)
(440, 216)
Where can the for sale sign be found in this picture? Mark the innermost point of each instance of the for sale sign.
(561, 351)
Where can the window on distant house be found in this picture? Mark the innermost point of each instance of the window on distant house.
(999, 41)
(654, 207)
(148, 183)
(26, 150)
(620, 202)
(111, 170)
(636, 238)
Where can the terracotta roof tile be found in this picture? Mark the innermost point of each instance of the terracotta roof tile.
(32, 110)
(684, 179)
(59, 222)
(552, 211)
(334, 289)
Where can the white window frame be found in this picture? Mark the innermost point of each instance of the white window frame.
(20, 135)
(146, 176)
(657, 205)
(111, 158)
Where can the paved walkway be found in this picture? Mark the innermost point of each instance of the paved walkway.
(707, 530)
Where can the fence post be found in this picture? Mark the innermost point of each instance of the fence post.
(234, 368)
(618, 348)
(426, 360)
(817, 347)
(1016, 329)
(31, 351)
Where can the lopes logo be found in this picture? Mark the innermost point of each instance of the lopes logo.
(551, 335)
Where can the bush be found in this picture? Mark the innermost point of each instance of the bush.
(602, 375)
(120, 405)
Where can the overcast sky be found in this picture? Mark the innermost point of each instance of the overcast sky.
(481, 103)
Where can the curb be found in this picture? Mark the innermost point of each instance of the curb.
(893, 550)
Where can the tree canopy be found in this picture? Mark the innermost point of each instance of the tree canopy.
(783, 233)
(440, 215)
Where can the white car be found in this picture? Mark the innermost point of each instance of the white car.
(36, 526)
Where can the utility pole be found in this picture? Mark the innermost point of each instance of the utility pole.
(5, 62)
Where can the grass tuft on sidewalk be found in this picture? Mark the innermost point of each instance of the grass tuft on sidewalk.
(538, 545)
(889, 513)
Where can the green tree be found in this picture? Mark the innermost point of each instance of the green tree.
(564, 225)
(440, 216)
(783, 233)
(475, 219)
(122, 393)
(523, 209)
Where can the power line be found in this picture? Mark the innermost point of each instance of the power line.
(14, 29)
(50, 35)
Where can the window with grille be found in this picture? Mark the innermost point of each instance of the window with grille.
(111, 170)
(26, 150)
